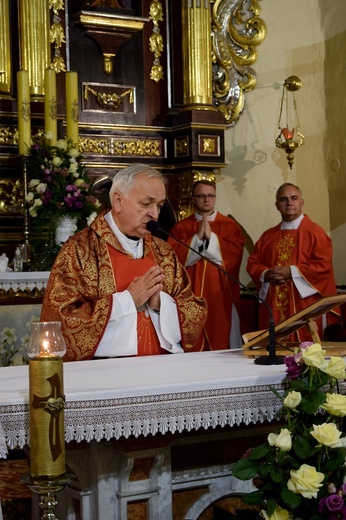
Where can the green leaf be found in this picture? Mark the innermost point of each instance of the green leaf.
(260, 451)
(245, 469)
(271, 506)
(301, 447)
(277, 474)
(291, 499)
(336, 460)
(253, 499)
(312, 404)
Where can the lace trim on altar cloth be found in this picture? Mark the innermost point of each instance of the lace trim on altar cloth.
(151, 414)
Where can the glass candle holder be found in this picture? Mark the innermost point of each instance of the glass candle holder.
(46, 340)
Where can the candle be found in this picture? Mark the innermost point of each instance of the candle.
(50, 105)
(23, 102)
(47, 401)
(71, 86)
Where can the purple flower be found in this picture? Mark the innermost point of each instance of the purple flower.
(79, 205)
(322, 506)
(334, 502)
(293, 369)
(69, 201)
(343, 488)
(306, 344)
(47, 196)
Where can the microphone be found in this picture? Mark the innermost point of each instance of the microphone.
(272, 358)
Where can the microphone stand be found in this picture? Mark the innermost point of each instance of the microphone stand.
(272, 358)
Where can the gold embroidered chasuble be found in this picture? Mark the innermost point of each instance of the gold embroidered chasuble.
(81, 284)
(308, 248)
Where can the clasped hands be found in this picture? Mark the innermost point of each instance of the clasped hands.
(278, 275)
(146, 288)
(204, 229)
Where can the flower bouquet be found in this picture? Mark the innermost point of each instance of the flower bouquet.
(300, 472)
(58, 186)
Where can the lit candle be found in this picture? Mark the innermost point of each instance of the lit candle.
(23, 102)
(72, 106)
(47, 444)
(50, 105)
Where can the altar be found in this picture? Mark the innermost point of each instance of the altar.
(151, 437)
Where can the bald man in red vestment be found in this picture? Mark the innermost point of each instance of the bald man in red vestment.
(117, 290)
(292, 264)
(220, 239)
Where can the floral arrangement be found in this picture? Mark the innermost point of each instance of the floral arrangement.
(300, 472)
(13, 350)
(58, 184)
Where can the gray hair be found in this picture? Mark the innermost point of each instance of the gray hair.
(125, 179)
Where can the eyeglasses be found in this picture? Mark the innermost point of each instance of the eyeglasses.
(202, 196)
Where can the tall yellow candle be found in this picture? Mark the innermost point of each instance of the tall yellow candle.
(24, 123)
(50, 105)
(71, 86)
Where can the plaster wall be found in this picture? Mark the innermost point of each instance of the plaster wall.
(306, 39)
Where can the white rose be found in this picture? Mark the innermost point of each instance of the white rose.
(29, 197)
(283, 440)
(61, 144)
(292, 399)
(57, 161)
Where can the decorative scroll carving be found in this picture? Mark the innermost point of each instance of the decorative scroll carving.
(111, 146)
(155, 40)
(106, 100)
(57, 36)
(11, 196)
(237, 30)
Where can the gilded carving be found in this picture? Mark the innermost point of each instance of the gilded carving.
(111, 146)
(11, 196)
(106, 100)
(237, 29)
(156, 40)
(181, 147)
(57, 35)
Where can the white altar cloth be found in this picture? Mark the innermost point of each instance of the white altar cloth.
(114, 398)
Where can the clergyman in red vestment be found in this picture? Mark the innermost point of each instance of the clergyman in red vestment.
(291, 264)
(116, 289)
(220, 239)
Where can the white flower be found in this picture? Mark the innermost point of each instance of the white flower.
(61, 144)
(30, 196)
(57, 161)
(91, 218)
(33, 183)
(38, 202)
(73, 167)
(41, 188)
(49, 135)
(73, 152)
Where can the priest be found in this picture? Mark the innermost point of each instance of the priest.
(117, 290)
(291, 264)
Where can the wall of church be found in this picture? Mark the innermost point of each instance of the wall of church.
(306, 39)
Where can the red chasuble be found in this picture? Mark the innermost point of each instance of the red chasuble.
(125, 270)
(308, 248)
(81, 284)
(207, 281)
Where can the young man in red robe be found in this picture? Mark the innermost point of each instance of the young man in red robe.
(291, 264)
(117, 290)
(220, 239)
